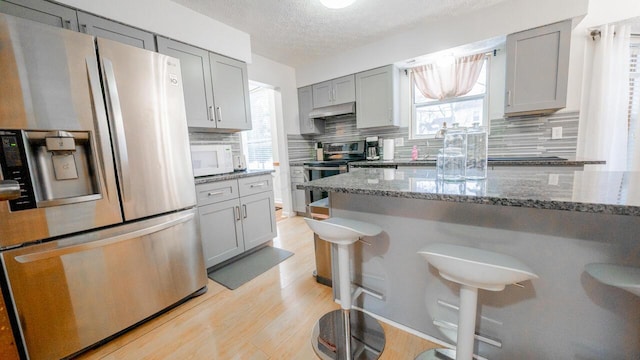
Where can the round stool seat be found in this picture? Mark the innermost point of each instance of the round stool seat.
(624, 277)
(342, 231)
(478, 268)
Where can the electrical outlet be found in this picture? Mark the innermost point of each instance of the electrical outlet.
(556, 133)
(399, 141)
(553, 179)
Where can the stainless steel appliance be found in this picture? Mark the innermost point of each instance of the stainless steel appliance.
(211, 159)
(336, 159)
(104, 232)
(373, 148)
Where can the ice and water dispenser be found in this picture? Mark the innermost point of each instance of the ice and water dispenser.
(52, 167)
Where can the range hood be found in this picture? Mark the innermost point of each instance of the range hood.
(333, 110)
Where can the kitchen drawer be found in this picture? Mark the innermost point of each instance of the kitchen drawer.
(255, 185)
(216, 191)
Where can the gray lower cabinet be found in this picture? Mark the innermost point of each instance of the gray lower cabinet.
(537, 69)
(42, 12)
(298, 196)
(221, 231)
(108, 29)
(216, 88)
(235, 216)
(377, 98)
(308, 126)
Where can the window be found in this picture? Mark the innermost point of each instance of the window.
(258, 141)
(430, 114)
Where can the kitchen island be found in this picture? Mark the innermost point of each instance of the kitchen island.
(556, 220)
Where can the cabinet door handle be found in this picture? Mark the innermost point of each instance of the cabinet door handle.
(237, 211)
(219, 111)
(333, 96)
(244, 211)
(210, 113)
(83, 28)
(256, 185)
(509, 98)
(67, 24)
(215, 193)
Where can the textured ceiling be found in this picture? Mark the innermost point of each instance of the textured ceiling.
(296, 32)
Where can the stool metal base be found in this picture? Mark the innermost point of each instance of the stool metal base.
(367, 336)
(437, 354)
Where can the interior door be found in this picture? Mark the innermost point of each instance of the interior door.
(149, 129)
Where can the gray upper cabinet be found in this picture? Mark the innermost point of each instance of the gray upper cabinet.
(377, 98)
(216, 88)
(196, 81)
(537, 69)
(230, 93)
(42, 12)
(308, 126)
(334, 92)
(108, 29)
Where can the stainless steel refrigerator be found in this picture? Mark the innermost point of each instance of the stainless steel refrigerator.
(104, 233)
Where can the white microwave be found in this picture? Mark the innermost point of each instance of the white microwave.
(211, 159)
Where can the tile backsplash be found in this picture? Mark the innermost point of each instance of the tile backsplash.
(524, 136)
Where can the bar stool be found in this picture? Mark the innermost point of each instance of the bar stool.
(623, 277)
(473, 269)
(346, 333)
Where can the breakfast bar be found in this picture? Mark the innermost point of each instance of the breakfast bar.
(554, 219)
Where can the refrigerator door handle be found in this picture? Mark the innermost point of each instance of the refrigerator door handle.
(47, 254)
(120, 138)
(96, 95)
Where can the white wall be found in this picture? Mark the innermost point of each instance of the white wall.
(504, 18)
(283, 79)
(172, 20)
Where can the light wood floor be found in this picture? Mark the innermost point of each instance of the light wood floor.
(271, 317)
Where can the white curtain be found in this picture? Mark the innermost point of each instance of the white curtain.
(603, 131)
(448, 80)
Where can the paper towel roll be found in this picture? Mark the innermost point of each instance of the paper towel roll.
(388, 148)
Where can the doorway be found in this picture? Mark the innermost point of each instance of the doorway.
(260, 144)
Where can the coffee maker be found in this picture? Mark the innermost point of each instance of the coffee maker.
(373, 148)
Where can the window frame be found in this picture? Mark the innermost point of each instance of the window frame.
(484, 97)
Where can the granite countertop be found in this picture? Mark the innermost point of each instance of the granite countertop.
(231, 176)
(492, 162)
(543, 188)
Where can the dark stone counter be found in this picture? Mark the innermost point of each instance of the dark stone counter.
(231, 176)
(556, 188)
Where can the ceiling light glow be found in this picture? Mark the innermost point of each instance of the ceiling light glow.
(337, 4)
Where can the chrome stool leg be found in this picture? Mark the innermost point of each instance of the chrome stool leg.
(347, 334)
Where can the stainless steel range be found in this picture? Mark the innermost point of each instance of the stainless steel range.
(337, 157)
(103, 232)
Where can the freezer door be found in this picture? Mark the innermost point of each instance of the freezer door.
(72, 293)
(149, 129)
(50, 81)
